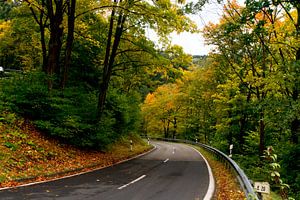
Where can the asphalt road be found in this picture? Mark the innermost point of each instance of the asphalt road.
(171, 172)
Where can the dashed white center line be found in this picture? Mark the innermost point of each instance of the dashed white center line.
(136, 180)
(166, 160)
(174, 149)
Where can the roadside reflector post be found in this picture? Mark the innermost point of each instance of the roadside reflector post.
(230, 150)
(148, 141)
(196, 140)
(131, 145)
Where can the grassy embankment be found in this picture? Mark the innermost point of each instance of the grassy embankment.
(26, 155)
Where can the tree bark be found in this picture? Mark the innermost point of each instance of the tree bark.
(43, 41)
(165, 129)
(41, 21)
(44, 49)
(110, 59)
(70, 39)
(168, 128)
(261, 134)
(175, 128)
(55, 43)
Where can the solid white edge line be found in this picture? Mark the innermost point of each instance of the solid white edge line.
(166, 160)
(211, 186)
(132, 182)
(80, 173)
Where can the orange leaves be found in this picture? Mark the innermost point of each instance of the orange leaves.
(150, 98)
(226, 183)
(227, 187)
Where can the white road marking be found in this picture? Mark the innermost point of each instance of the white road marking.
(80, 173)
(166, 160)
(211, 185)
(174, 150)
(132, 182)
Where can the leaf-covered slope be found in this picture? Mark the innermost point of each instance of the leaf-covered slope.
(27, 154)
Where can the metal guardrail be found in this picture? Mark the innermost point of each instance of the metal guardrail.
(241, 176)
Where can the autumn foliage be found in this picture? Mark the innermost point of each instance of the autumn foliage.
(28, 155)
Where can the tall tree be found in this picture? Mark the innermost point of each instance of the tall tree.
(125, 15)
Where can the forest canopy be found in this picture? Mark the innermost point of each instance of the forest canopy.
(79, 69)
(86, 73)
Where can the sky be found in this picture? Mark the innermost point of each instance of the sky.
(194, 44)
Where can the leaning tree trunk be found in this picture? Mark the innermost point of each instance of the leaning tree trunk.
(110, 59)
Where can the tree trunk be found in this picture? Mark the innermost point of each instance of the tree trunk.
(44, 49)
(168, 128)
(43, 42)
(110, 59)
(230, 136)
(42, 24)
(55, 43)
(165, 128)
(175, 128)
(242, 131)
(261, 134)
(70, 39)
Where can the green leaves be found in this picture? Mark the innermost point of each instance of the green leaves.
(11, 146)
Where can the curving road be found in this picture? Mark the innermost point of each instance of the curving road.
(171, 172)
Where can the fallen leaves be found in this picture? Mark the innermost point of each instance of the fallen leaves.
(39, 158)
(227, 187)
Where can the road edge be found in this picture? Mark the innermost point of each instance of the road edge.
(81, 173)
(211, 186)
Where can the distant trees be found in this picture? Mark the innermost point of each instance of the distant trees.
(161, 110)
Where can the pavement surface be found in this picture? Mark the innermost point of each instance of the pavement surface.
(172, 171)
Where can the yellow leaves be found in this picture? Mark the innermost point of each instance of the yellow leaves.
(4, 27)
(161, 105)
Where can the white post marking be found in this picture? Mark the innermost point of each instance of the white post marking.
(131, 145)
(136, 180)
(166, 160)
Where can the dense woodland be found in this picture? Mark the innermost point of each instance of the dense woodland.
(86, 73)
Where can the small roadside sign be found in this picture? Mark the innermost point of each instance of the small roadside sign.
(262, 187)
